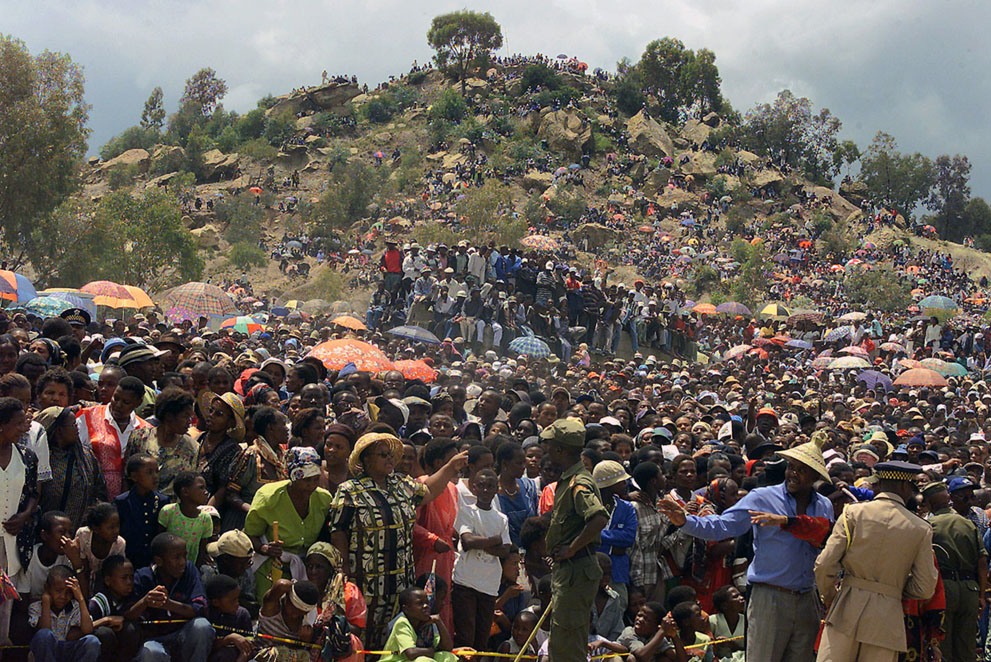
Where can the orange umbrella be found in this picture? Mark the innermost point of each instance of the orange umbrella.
(349, 322)
(416, 369)
(335, 354)
(705, 309)
(920, 377)
(256, 190)
(141, 298)
(646, 229)
(110, 294)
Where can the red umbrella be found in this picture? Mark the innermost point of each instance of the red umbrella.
(758, 352)
(256, 190)
(920, 377)
(416, 369)
(335, 354)
(855, 350)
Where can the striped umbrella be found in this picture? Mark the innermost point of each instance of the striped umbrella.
(15, 287)
(193, 300)
(541, 242)
(242, 324)
(530, 346)
(335, 354)
(775, 310)
(920, 377)
(415, 333)
(733, 308)
(416, 369)
(349, 322)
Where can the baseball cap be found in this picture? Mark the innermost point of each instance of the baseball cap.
(235, 543)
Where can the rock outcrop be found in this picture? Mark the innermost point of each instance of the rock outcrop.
(325, 97)
(566, 131)
(139, 158)
(648, 137)
(597, 234)
(217, 165)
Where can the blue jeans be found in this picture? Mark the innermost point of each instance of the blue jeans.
(190, 644)
(47, 648)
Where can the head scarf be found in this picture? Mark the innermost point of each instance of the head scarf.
(334, 595)
(257, 393)
(302, 462)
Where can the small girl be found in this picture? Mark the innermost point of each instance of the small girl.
(97, 540)
(729, 621)
(139, 507)
(185, 519)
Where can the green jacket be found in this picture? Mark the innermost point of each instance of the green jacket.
(576, 501)
(958, 544)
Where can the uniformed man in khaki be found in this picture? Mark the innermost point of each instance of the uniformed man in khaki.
(963, 564)
(885, 554)
(576, 521)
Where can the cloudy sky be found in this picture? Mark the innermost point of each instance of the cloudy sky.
(914, 68)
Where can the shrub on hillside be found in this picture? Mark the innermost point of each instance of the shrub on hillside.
(879, 289)
(122, 177)
(537, 76)
(244, 255)
(450, 106)
(243, 218)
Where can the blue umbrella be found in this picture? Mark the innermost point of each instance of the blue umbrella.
(77, 301)
(415, 333)
(530, 346)
(795, 343)
(938, 302)
(47, 306)
(838, 333)
(688, 223)
(872, 379)
(280, 312)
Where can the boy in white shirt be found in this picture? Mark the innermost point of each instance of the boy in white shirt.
(483, 533)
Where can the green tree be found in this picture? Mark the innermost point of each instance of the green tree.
(134, 137)
(450, 106)
(484, 208)
(977, 215)
(242, 217)
(204, 90)
(352, 188)
(462, 40)
(42, 141)
(537, 76)
(153, 115)
(949, 195)
(701, 82)
(845, 155)
(893, 179)
(878, 289)
(663, 70)
(244, 255)
(628, 91)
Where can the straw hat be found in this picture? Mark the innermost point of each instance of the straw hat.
(368, 440)
(809, 454)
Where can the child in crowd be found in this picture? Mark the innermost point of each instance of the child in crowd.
(543, 604)
(598, 647)
(637, 599)
(98, 540)
(418, 634)
(230, 620)
(523, 625)
(119, 639)
(139, 507)
(729, 621)
(484, 539)
(607, 609)
(65, 629)
(55, 548)
(691, 623)
(185, 519)
(232, 554)
(512, 599)
(653, 636)
(685, 593)
(288, 612)
(170, 590)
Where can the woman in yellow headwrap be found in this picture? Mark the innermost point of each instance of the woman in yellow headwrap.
(323, 568)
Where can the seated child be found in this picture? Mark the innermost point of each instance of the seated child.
(339, 596)
(230, 620)
(685, 593)
(598, 647)
(636, 599)
(65, 630)
(523, 625)
(98, 540)
(543, 604)
(690, 622)
(288, 612)
(232, 555)
(139, 507)
(729, 621)
(418, 635)
(56, 541)
(185, 519)
(168, 590)
(607, 608)
(119, 639)
(512, 599)
(653, 637)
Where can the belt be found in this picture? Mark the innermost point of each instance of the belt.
(789, 591)
(958, 576)
(873, 587)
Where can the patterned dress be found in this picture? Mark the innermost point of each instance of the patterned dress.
(379, 523)
(172, 460)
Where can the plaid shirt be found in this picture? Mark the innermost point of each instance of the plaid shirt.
(646, 566)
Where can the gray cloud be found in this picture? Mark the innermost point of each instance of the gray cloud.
(913, 68)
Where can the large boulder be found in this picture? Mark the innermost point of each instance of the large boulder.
(536, 180)
(168, 158)
(748, 158)
(695, 132)
(657, 180)
(598, 235)
(712, 119)
(854, 190)
(838, 206)
(452, 161)
(139, 158)
(767, 177)
(331, 96)
(677, 200)
(648, 137)
(638, 170)
(207, 237)
(566, 131)
(701, 165)
(217, 165)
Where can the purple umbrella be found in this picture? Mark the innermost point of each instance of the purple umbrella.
(872, 379)
(733, 308)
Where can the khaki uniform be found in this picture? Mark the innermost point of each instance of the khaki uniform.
(575, 581)
(958, 550)
(885, 553)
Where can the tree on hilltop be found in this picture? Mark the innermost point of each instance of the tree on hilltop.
(153, 116)
(462, 40)
(43, 133)
(902, 181)
(204, 90)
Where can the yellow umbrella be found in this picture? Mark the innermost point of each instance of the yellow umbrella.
(141, 298)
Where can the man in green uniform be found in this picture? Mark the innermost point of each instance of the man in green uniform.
(963, 564)
(576, 521)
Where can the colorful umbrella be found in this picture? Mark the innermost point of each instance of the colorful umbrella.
(733, 308)
(775, 310)
(15, 287)
(892, 347)
(822, 362)
(540, 242)
(806, 316)
(193, 300)
(855, 316)
(335, 354)
(416, 369)
(847, 362)
(47, 306)
(415, 333)
(795, 343)
(646, 229)
(734, 352)
(242, 324)
(349, 322)
(705, 309)
(855, 350)
(77, 299)
(106, 288)
(920, 377)
(838, 333)
(872, 379)
(530, 346)
(936, 302)
(945, 368)
(758, 352)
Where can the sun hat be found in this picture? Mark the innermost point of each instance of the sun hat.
(233, 543)
(365, 442)
(608, 473)
(809, 454)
